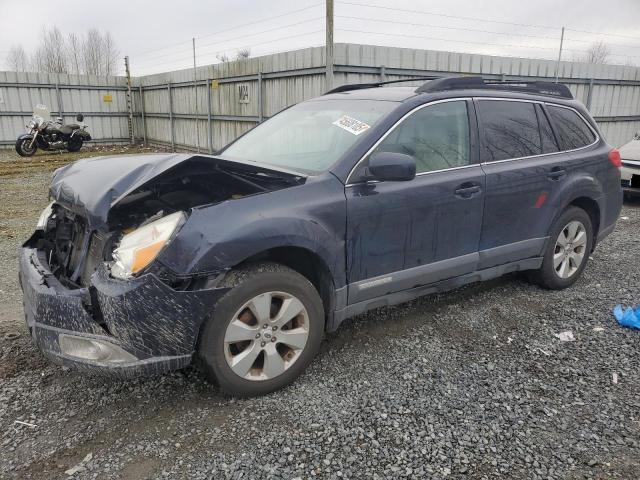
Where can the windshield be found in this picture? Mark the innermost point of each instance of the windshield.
(311, 136)
(42, 112)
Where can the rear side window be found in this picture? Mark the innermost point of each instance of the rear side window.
(509, 130)
(437, 137)
(571, 129)
(548, 140)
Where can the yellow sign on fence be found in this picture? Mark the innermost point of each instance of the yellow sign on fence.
(107, 98)
(215, 84)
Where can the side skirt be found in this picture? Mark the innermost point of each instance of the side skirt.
(407, 295)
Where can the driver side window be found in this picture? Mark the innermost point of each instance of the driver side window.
(437, 137)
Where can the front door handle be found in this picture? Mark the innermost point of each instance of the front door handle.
(556, 173)
(467, 190)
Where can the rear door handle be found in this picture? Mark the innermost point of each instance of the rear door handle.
(467, 190)
(556, 173)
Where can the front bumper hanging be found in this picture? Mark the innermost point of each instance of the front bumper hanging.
(137, 326)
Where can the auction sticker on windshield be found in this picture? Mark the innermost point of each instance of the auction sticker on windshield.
(351, 125)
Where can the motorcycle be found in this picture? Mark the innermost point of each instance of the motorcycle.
(49, 135)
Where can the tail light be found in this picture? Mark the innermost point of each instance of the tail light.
(614, 158)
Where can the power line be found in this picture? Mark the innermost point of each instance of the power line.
(268, 52)
(233, 28)
(477, 43)
(623, 45)
(492, 32)
(475, 19)
(236, 48)
(200, 46)
(454, 41)
(605, 34)
(447, 27)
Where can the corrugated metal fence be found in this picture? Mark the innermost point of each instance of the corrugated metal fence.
(65, 95)
(226, 100)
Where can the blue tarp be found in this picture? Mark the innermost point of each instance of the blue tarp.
(627, 317)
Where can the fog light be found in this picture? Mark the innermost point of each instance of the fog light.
(94, 350)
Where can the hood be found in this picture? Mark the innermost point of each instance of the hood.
(630, 151)
(93, 186)
(90, 187)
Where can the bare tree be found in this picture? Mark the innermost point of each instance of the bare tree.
(243, 53)
(110, 54)
(17, 59)
(222, 57)
(51, 54)
(599, 52)
(75, 53)
(92, 53)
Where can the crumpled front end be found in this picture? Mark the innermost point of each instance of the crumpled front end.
(121, 327)
(96, 293)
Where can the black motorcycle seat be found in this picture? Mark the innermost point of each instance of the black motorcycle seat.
(52, 129)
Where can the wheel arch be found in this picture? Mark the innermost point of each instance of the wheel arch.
(592, 208)
(307, 263)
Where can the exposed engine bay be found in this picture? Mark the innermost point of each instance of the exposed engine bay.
(74, 251)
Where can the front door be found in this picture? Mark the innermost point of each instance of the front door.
(406, 234)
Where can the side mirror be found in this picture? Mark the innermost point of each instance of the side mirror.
(392, 166)
(79, 117)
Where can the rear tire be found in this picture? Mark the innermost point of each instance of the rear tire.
(248, 345)
(23, 149)
(567, 252)
(75, 144)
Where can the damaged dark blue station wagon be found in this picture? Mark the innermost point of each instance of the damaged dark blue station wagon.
(360, 198)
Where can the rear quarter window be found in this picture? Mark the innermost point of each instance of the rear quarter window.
(571, 129)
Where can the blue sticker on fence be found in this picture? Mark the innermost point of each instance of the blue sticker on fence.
(627, 317)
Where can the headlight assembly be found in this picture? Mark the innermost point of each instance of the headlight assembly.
(44, 216)
(140, 247)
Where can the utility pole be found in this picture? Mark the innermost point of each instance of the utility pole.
(195, 92)
(129, 102)
(559, 55)
(328, 49)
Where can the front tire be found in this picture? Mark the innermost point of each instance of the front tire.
(263, 332)
(567, 253)
(24, 149)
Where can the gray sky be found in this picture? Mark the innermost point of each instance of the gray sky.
(157, 35)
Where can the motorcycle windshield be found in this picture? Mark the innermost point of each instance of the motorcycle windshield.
(42, 112)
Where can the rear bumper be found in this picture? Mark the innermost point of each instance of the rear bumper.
(630, 177)
(153, 327)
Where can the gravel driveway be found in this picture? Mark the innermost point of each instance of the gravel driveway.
(469, 384)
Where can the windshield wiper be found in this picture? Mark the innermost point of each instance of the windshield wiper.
(242, 179)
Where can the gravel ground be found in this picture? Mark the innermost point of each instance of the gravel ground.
(469, 384)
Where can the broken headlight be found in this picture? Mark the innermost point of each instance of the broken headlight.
(139, 248)
(44, 216)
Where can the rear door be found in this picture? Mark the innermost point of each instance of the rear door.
(519, 155)
(405, 234)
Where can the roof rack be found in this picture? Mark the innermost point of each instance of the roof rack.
(360, 86)
(470, 83)
(478, 83)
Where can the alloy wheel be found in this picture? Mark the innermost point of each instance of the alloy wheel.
(266, 336)
(570, 249)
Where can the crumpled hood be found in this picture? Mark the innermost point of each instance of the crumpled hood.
(90, 187)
